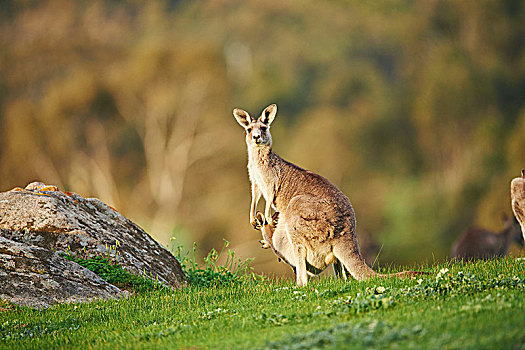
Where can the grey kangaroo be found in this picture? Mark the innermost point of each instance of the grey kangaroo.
(479, 243)
(314, 225)
(517, 195)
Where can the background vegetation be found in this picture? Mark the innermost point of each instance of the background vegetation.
(415, 109)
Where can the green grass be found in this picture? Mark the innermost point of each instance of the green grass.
(477, 305)
(112, 272)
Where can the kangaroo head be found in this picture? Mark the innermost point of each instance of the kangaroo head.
(257, 130)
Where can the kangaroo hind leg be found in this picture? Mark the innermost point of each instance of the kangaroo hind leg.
(348, 254)
(301, 273)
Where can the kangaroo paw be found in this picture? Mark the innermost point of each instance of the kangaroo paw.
(264, 244)
(256, 224)
(275, 219)
(258, 221)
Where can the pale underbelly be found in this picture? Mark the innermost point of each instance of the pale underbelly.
(318, 261)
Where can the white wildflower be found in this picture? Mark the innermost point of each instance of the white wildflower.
(380, 289)
(441, 273)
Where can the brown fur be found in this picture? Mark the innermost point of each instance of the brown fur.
(479, 243)
(316, 221)
(517, 196)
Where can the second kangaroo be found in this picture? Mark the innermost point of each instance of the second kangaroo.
(316, 223)
(479, 243)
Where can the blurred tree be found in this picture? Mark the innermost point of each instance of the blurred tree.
(414, 109)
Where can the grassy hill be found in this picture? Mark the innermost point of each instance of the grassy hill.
(473, 305)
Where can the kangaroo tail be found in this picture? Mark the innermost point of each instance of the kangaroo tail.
(355, 264)
(404, 274)
(350, 256)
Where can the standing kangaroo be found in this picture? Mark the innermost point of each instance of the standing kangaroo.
(517, 195)
(316, 222)
(479, 243)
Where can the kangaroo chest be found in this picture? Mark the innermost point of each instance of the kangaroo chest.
(263, 175)
(264, 179)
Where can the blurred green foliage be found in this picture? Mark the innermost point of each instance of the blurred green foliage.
(414, 109)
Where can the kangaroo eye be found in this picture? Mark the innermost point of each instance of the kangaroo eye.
(249, 130)
(263, 128)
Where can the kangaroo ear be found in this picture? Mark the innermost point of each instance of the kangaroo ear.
(268, 115)
(242, 117)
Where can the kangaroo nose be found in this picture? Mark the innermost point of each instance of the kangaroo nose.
(256, 137)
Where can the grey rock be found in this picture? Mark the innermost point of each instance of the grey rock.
(65, 222)
(36, 277)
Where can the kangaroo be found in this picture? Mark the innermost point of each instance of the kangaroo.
(479, 243)
(517, 195)
(316, 224)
